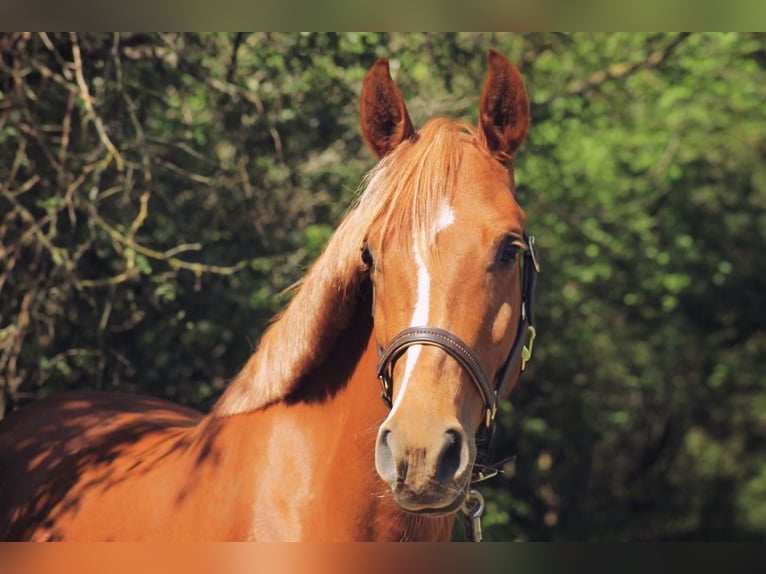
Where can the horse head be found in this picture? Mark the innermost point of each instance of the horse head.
(446, 253)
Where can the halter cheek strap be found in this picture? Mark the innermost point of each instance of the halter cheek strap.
(519, 355)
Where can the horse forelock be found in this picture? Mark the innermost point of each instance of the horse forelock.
(405, 192)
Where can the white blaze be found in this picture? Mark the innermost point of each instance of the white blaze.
(420, 315)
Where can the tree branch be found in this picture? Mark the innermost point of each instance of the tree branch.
(624, 69)
(166, 257)
(88, 101)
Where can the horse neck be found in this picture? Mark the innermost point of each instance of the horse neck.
(309, 459)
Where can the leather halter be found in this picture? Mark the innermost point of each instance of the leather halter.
(519, 355)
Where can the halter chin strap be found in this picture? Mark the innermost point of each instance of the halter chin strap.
(516, 362)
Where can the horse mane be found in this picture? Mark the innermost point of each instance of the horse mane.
(420, 172)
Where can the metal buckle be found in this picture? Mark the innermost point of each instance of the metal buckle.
(489, 415)
(479, 475)
(526, 351)
(533, 253)
(491, 412)
(386, 388)
(473, 508)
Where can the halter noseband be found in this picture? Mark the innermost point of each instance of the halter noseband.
(519, 355)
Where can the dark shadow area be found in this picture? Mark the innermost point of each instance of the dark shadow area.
(335, 371)
(56, 451)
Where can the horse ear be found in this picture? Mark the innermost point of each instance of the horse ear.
(384, 118)
(504, 108)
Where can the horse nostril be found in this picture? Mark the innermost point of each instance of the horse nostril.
(450, 457)
(384, 457)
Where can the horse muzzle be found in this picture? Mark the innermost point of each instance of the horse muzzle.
(425, 477)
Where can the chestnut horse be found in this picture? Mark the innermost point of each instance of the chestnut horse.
(426, 285)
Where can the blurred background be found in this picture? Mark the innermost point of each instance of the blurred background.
(158, 192)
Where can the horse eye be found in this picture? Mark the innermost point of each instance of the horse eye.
(366, 256)
(508, 252)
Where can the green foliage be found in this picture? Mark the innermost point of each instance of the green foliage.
(643, 179)
(648, 219)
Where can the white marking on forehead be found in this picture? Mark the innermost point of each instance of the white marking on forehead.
(420, 315)
(444, 220)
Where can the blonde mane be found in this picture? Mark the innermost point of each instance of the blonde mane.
(404, 190)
